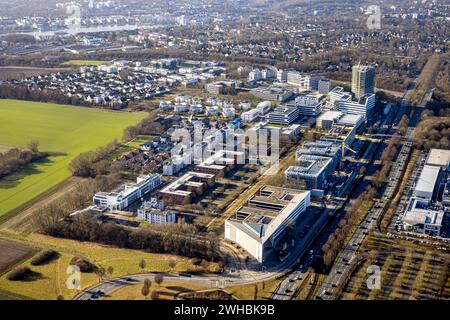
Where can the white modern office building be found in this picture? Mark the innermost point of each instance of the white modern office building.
(364, 106)
(439, 158)
(427, 182)
(309, 104)
(421, 219)
(304, 81)
(259, 226)
(127, 193)
(329, 118)
(153, 212)
(284, 115)
(311, 172)
(251, 115)
(324, 86)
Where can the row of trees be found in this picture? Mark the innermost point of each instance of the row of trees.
(93, 163)
(390, 152)
(159, 278)
(15, 159)
(84, 227)
(146, 126)
(23, 92)
(336, 240)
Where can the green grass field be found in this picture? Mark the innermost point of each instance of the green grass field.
(84, 63)
(63, 131)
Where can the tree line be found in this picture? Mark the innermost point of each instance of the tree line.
(16, 159)
(336, 240)
(93, 163)
(84, 227)
(23, 92)
(432, 132)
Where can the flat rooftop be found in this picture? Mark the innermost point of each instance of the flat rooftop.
(187, 180)
(320, 147)
(439, 157)
(423, 216)
(428, 178)
(266, 211)
(310, 164)
(329, 116)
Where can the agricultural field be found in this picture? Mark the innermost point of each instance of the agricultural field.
(12, 252)
(52, 278)
(84, 63)
(63, 132)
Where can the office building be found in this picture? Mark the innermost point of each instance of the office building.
(329, 118)
(309, 104)
(264, 107)
(310, 173)
(439, 158)
(282, 75)
(259, 226)
(364, 106)
(446, 194)
(339, 134)
(284, 115)
(222, 87)
(186, 188)
(324, 86)
(272, 93)
(322, 148)
(304, 81)
(427, 182)
(363, 80)
(127, 193)
(251, 115)
(422, 219)
(255, 75)
(153, 212)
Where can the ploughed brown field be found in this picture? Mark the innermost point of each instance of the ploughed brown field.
(12, 253)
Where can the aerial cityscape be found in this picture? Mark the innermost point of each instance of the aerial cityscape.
(230, 150)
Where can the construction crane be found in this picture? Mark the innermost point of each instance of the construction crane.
(345, 146)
